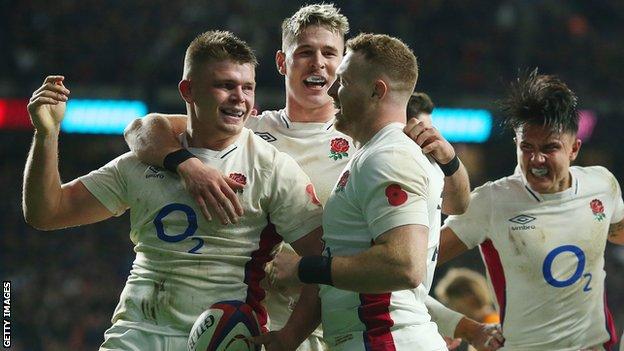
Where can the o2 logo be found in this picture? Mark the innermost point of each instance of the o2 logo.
(191, 217)
(578, 273)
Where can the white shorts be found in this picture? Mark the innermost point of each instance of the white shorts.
(123, 338)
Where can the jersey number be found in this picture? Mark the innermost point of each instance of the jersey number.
(578, 273)
(191, 228)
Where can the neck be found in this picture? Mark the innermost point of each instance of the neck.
(299, 113)
(208, 138)
(376, 120)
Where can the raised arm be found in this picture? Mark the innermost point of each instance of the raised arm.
(456, 191)
(155, 137)
(46, 203)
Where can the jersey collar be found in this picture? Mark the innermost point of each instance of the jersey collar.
(562, 195)
(288, 124)
(213, 154)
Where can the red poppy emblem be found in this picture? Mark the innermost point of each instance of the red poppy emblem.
(310, 191)
(396, 195)
(597, 209)
(343, 181)
(338, 148)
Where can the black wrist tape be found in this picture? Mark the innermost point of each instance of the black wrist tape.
(315, 270)
(173, 159)
(450, 168)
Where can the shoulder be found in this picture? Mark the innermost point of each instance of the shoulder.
(264, 154)
(263, 120)
(596, 178)
(591, 171)
(500, 189)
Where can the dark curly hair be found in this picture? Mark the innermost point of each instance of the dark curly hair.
(538, 99)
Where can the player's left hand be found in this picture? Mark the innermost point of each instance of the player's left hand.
(285, 269)
(430, 140)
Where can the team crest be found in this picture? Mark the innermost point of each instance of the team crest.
(339, 148)
(396, 195)
(343, 181)
(240, 179)
(597, 209)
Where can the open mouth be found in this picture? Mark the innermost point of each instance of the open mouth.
(315, 82)
(232, 112)
(539, 172)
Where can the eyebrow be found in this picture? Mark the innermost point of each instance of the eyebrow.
(325, 47)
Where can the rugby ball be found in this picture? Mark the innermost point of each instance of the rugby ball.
(225, 326)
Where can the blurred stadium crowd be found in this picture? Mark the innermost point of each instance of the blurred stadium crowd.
(65, 284)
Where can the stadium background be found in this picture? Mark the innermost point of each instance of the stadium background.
(65, 284)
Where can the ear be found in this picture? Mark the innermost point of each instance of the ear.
(380, 89)
(576, 147)
(280, 62)
(184, 87)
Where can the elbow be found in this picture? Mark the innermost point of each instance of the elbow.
(132, 128)
(38, 223)
(457, 208)
(37, 219)
(412, 277)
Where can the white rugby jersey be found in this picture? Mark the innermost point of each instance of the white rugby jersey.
(321, 150)
(544, 255)
(388, 183)
(184, 263)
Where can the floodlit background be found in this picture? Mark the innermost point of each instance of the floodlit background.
(124, 58)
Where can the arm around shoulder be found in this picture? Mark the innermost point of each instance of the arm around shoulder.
(155, 136)
(456, 192)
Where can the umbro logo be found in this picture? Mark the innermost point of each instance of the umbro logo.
(266, 136)
(154, 172)
(522, 219)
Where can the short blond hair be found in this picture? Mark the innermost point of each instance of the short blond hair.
(388, 55)
(459, 282)
(325, 15)
(217, 45)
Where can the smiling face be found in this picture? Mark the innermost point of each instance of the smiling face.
(309, 64)
(351, 93)
(221, 97)
(544, 157)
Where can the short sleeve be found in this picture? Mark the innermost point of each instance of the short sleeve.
(392, 188)
(294, 207)
(109, 186)
(473, 227)
(618, 210)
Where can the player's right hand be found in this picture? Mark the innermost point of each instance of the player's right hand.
(488, 338)
(47, 105)
(214, 193)
(452, 344)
